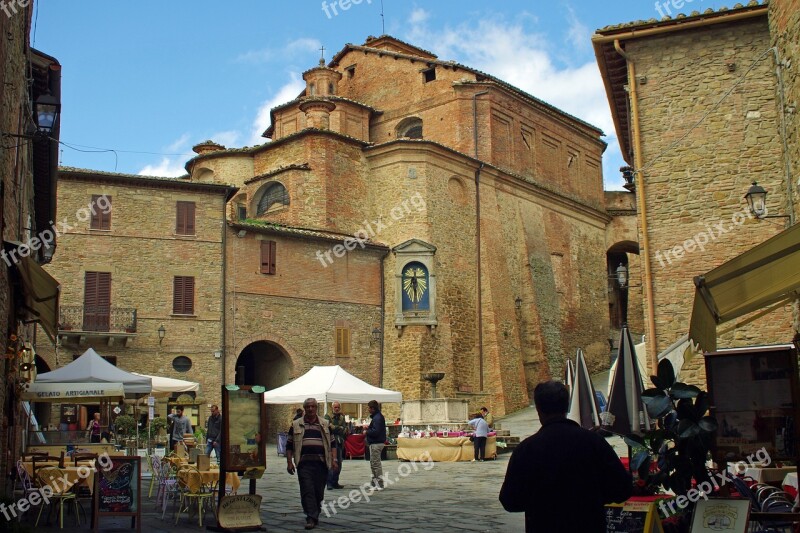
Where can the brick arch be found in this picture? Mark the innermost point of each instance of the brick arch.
(277, 340)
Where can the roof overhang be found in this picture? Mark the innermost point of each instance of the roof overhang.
(71, 392)
(40, 292)
(768, 274)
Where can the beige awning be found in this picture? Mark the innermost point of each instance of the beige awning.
(41, 293)
(764, 275)
(71, 392)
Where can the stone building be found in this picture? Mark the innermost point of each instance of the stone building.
(141, 261)
(30, 88)
(439, 221)
(695, 101)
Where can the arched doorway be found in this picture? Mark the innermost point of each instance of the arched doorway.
(267, 364)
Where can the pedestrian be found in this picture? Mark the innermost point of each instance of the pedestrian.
(180, 427)
(316, 454)
(547, 466)
(479, 437)
(488, 417)
(339, 432)
(376, 438)
(214, 432)
(94, 428)
(297, 414)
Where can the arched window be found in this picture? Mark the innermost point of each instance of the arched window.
(415, 287)
(410, 128)
(275, 195)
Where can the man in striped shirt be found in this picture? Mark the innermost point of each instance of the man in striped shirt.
(310, 438)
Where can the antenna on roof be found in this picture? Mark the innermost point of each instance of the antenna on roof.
(383, 21)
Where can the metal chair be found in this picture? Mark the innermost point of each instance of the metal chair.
(192, 488)
(52, 477)
(167, 486)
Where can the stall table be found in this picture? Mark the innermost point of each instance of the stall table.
(790, 483)
(72, 473)
(209, 477)
(442, 449)
(761, 475)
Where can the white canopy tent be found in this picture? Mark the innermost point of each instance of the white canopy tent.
(166, 386)
(328, 384)
(91, 368)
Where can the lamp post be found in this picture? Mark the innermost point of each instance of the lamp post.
(161, 333)
(46, 109)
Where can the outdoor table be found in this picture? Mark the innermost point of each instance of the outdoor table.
(209, 477)
(442, 449)
(355, 445)
(790, 483)
(73, 475)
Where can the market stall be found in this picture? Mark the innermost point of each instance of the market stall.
(442, 449)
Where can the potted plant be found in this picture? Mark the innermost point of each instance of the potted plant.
(675, 451)
(125, 426)
(158, 427)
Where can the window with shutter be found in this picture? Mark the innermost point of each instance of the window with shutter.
(183, 295)
(101, 212)
(184, 224)
(97, 301)
(268, 259)
(342, 341)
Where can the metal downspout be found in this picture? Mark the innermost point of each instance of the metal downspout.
(641, 208)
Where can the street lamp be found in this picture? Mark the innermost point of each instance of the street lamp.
(757, 201)
(46, 109)
(627, 175)
(161, 333)
(518, 303)
(376, 334)
(621, 276)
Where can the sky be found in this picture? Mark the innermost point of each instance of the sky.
(144, 81)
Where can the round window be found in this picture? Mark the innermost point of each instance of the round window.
(182, 363)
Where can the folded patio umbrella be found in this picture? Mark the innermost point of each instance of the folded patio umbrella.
(625, 412)
(569, 375)
(583, 402)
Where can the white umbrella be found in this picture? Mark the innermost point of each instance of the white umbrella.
(583, 402)
(569, 375)
(625, 412)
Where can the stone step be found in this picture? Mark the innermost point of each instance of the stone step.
(503, 432)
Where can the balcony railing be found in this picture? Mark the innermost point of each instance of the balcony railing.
(97, 319)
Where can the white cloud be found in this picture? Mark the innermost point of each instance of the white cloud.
(525, 59)
(291, 49)
(226, 138)
(578, 34)
(168, 167)
(286, 93)
(179, 145)
(418, 16)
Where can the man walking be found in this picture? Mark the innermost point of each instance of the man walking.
(376, 438)
(545, 467)
(180, 427)
(214, 432)
(310, 440)
(338, 432)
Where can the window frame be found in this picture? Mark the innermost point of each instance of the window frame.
(99, 220)
(343, 341)
(182, 288)
(185, 218)
(268, 257)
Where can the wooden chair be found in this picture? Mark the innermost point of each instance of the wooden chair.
(83, 456)
(53, 476)
(42, 461)
(192, 488)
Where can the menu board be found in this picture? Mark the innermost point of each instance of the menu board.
(631, 517)
(117, 488)
(244, 423)
(752, 397)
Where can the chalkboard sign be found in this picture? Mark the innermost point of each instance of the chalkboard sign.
(117, 488)
(632, 517)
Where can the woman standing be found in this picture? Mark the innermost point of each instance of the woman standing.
(94, 428)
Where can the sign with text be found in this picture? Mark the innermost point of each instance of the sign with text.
(117, 490)
(240, 511)
(633, 516)
(243, 424)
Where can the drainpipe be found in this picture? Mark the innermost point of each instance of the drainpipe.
(641, 208)
(787, 155)
(224, 283)
(383, 320)
(478, 233)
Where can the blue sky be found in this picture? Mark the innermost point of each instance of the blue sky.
(150, 79)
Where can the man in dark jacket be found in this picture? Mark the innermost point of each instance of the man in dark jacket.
(562, 476)
(214, 432)
(376, 438)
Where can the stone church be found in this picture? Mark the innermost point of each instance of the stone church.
(408, 216)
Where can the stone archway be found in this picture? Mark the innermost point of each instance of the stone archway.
(268, 364)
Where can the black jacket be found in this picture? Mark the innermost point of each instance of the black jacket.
(376, 431)
(561, 477)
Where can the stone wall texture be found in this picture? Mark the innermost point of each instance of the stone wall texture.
(709, 127)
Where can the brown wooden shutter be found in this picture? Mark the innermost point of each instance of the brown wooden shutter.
(184, 224)
(342, 341)
(183, 295)
(268, 260)
(100, 219)
(97, 301)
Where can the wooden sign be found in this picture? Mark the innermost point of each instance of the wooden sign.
(244, 418)
(721, 514)
(633, 516)
(240, 512)
(117, 488)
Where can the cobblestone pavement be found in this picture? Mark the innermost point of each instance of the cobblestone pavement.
(422, 497)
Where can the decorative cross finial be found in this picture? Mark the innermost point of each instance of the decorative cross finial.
(322, 56)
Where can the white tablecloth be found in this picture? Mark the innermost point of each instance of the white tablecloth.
(761, 475)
